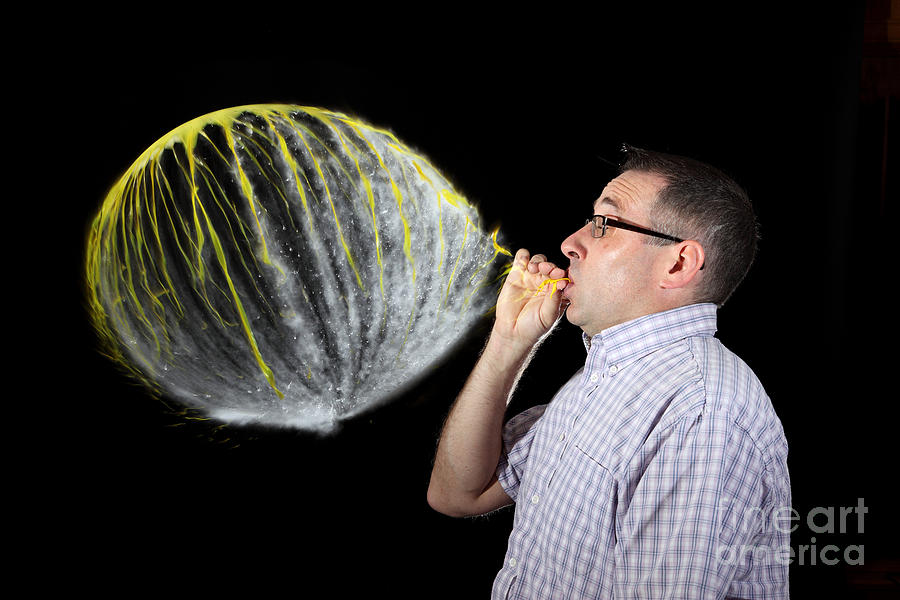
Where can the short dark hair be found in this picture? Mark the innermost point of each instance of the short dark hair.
(702, 203)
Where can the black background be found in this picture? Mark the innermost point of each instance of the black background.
(122, 495)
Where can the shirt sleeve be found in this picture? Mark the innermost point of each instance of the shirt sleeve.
(703, 518)
(518, 434)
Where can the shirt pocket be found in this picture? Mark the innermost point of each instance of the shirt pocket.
(583, 539)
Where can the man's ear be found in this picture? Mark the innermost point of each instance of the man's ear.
(684, 261)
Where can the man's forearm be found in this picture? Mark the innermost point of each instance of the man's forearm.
(471, 441)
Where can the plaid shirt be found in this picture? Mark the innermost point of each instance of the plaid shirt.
(658, 471)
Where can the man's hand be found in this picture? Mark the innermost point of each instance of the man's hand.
(530, 301)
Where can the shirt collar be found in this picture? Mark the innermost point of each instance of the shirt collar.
(626, 342)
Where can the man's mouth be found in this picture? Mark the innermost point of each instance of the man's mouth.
(569, 284)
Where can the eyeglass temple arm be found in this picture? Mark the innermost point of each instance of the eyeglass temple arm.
(628, 226)
(623, 225)
(607, 222)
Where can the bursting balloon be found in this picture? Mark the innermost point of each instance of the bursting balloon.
(285, 265)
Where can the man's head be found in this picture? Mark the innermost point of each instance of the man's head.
(626, 274)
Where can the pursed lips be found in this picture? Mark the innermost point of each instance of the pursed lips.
(569, 283)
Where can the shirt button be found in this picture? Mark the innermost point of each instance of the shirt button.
(562, 436)
(535, 499)
(613, 370)
(512, 562)
(594, 377)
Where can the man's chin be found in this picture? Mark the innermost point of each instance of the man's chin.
(577, 319)
(572, 315)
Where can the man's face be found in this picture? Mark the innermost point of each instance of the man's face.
(613, 276)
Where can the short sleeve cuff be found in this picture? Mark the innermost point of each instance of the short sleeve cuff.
(518, 434)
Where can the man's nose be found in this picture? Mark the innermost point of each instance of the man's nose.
(572, 246)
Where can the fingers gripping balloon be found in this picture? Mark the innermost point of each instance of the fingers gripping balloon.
(285, 265)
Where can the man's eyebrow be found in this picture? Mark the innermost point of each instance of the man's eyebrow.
(610, 202)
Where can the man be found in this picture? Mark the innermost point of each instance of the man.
(659, 470)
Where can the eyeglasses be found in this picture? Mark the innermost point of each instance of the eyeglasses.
(599, 223)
